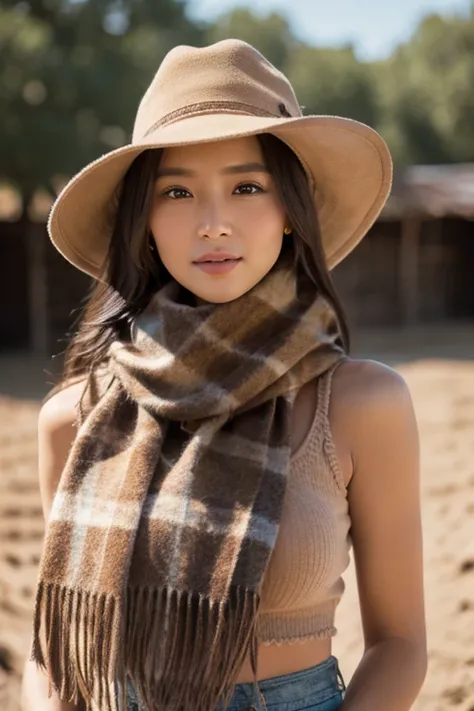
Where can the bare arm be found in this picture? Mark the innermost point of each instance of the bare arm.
(384, 500)
(56, 432)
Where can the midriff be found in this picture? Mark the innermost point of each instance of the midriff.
(278, 659)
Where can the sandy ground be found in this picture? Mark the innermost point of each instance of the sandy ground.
(438, 364)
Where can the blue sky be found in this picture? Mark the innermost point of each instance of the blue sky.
(375, 27)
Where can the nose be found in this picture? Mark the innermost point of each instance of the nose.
(213, 223)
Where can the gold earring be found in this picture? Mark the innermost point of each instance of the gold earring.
(287, 231)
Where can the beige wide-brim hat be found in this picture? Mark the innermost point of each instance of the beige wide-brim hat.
(223, 91)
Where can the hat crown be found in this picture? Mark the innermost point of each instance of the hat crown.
(229, 76)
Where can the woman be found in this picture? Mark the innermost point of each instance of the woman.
(213, 452)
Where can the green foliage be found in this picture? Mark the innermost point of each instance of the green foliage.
(332, 81)
(428, 91)
(73, 71)
(71, 76)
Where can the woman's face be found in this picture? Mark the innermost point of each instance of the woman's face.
(217, 199)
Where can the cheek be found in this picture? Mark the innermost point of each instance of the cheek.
(264, 225)
(170, 229)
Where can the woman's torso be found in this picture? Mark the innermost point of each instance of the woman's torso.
(284, 658)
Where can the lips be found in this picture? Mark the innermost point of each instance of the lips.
(212, 257)
(218, 267)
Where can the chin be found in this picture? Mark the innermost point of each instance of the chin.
(224, 297)
(223, 290)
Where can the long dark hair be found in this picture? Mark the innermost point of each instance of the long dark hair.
(132, 271)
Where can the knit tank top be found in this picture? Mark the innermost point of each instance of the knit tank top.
(303, 585)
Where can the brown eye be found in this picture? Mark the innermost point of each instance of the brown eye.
(249, 189)
(176, 193)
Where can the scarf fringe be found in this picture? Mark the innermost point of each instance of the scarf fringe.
(181, 650)
(75, 643)
(185, 650)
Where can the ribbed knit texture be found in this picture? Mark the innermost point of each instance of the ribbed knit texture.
(303, 583)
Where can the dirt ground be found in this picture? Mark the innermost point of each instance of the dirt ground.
(438, 364)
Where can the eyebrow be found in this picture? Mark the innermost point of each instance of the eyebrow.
(228, 170)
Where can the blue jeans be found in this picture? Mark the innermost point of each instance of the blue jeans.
(319, 688)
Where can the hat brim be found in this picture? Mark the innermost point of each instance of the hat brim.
(348, 162)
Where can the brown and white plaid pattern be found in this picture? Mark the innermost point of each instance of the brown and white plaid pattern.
(169, 506)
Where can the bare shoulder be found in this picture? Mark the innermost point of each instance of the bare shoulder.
(371, 409)
(60, 410)
(366, 385)
(57, 430)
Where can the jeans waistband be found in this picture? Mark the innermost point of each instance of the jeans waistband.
(324, 678)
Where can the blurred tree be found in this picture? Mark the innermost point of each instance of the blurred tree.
(71, 76)
(426, 90)
(334, 82)
(73, 71)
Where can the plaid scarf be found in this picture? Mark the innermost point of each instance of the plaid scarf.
(169, 505)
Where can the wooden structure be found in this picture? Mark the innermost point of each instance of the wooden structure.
(415, 263)
(40, 293)
(414, 266)
(408, 271)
